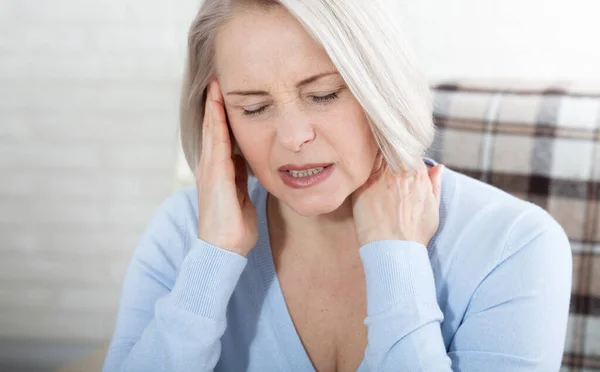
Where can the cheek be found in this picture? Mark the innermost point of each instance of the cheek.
(357, 141)
(364, 153)
(247, 137)
(356, 151)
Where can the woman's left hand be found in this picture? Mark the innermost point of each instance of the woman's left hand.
(393, 206)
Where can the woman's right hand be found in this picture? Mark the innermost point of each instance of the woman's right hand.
(226, 216)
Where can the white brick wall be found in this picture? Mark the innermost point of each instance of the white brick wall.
(88, 114)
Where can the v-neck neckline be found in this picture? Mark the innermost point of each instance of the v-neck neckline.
(274, 300)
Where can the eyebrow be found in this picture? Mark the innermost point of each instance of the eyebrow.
(302, 83)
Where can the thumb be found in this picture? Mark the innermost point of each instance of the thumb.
(435, 175)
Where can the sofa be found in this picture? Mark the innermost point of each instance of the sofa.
(540, 142)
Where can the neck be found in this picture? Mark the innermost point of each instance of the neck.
(330, 233)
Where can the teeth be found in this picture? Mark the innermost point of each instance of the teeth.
(305, 173)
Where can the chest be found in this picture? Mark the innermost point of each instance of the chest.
(328, 308)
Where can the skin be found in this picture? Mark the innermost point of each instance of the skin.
(315, 233)
(267, 51)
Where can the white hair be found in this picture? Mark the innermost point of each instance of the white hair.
(364, 41)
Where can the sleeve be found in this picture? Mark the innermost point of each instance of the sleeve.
(516, 319)
(172, 318)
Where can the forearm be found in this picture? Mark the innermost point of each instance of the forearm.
(403, 316)
(515, 320)
(188, 322)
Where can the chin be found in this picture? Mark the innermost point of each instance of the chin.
(314, 206)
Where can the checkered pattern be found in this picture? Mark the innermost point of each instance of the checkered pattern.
(540, 143)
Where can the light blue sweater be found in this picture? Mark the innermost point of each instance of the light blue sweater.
(490, 293)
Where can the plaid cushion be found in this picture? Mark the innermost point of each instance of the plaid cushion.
(539, 142)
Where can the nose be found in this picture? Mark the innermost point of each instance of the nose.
(294, 131)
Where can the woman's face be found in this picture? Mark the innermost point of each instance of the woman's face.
(289, 109)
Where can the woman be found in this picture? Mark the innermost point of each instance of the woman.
(344, 250)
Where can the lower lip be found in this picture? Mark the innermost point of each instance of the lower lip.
(308, 181)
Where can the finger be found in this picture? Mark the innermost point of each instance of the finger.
(423, 169)
(219, 129)
(425, 179)
(206, 121)
(435, 174)
(232, 140)
(406, 180)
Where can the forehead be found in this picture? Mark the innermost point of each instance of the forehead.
(263, 44)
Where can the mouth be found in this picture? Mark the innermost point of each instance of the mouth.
(304, 176)
(305, 170)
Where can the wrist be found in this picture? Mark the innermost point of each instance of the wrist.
(226, 245)
(379, 236)
(206, 280)
(371, 238)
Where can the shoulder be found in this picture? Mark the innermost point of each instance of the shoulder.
(519, 220)
(168, 235)
(484, 226)
(181, 207)
(173, 228)
(177, 213)
(493, 247)
(182, 200)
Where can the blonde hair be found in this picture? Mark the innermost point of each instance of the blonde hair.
(363, 40)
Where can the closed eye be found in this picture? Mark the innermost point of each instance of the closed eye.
(317, 99)
(254, 112)
(329, 97)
